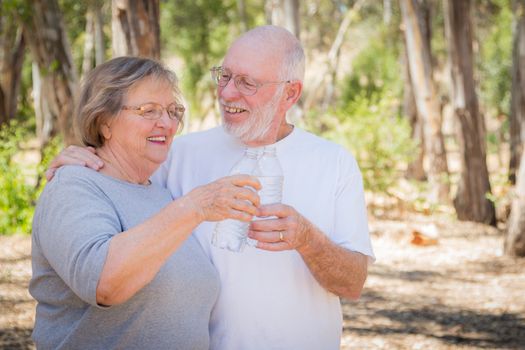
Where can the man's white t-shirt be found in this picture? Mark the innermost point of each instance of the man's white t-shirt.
(270, 300)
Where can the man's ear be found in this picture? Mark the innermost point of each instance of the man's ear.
(293, 91)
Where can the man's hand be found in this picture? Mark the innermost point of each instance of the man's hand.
(337, 269)
(289, 230)
(74, 155)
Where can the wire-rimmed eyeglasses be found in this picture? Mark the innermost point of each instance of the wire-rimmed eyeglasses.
(244, 84)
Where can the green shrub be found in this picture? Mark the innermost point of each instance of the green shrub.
(494, 60)
(367, 120)
(17, 186)
(17, 199)
(378, 138)
(374, 71)
(53, 147)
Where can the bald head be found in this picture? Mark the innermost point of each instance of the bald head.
(279, 47)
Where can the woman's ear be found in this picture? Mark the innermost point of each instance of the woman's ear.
(106, 131)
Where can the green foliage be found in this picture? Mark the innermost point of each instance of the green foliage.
(197, 31)
(54, 146)
(495, 59)
(16, 8)
(375, 70)
(16, 201)
(368, 121)
(200, 32)
(378, 138)
(19, 194)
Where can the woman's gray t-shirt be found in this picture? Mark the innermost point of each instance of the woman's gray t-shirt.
(76, 216)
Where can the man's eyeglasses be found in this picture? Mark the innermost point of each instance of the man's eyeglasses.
(153, 111)
(246, 85)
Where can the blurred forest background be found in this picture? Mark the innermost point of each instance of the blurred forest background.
(428, 95)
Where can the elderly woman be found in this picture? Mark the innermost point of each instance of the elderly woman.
(114, 261)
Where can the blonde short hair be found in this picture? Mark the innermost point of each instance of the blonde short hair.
(104, 88)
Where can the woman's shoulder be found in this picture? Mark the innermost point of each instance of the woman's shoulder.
(73, 174)
(69, 180)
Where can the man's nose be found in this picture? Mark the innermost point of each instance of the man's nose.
(230, 91)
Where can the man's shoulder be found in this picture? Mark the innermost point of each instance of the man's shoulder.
(307, 138)
(199, 136)
(323, 148)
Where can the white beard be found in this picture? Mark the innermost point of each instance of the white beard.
(256, 127)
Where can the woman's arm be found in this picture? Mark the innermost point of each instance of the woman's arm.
(135, 256)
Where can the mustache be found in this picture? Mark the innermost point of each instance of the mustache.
(233, 105)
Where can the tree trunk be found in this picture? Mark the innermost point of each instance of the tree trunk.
(420, 64)
(44, 118)
(12, 48)
(285, 13)
(46, 36)
(471, 200)
(321, 89)
(241, 8)
(98, 25)
(517, 104)
(89, 43)
(515, 239)
(387, 11)
(415, 170)
(135, 28)
(3, 114)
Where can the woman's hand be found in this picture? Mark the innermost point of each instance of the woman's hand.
(227, 198)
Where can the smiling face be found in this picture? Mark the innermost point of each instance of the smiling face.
(141, 143)
(256, 119)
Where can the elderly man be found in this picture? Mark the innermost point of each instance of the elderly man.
(283, 294)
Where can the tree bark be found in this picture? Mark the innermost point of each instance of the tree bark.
(12, 49)
(420, 64)
(471, 200)
(89, 43)
(415, 169)
(3, 114)
(241, 8)
(46, 36)
(321, 89)
(98, 24)
(135, 28)
(515, 239)
(45, 123)
(517, 104)
(387, 11)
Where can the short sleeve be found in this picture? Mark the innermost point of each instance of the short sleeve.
(351, 221)
(74, 222)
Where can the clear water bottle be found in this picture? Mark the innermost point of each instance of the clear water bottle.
(270, 174)
(233, 234)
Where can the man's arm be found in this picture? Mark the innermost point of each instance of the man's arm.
(338, 270)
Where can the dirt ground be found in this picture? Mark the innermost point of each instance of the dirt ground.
(459, 293)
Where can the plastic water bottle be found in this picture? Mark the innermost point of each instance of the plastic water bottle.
(270, 174)
(233, 234)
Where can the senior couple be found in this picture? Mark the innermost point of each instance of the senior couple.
(122, 254)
